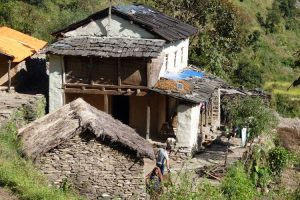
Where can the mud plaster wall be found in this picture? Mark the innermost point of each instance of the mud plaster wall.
(138, 114)
(56, 95)
(96, 100)
(188, 122)
(96, 170)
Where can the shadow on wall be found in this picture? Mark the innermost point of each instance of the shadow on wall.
(34, 79)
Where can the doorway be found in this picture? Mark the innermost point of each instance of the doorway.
(120, 108)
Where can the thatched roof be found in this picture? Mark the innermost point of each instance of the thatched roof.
(74, 118)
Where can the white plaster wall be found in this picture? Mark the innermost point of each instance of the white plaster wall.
(119, 28)
(56, 94)
(170, 50)
(188, 122)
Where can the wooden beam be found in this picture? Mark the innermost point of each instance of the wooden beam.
(8, 74)
(148, 118)
(106, 103)
(98, 91)
(119, 72)
(75, 85)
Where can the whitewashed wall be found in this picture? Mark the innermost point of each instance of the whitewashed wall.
(181, 62)
(56, 93)
(188, 123)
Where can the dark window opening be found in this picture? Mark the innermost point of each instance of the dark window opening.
(120, 108)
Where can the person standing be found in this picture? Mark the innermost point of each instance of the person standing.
(162, 157)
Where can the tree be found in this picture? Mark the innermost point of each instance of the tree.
(251, 112)
(248, 74)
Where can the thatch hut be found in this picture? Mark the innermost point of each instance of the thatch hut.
(99, 155)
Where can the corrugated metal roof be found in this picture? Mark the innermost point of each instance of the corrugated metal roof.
(18, 45)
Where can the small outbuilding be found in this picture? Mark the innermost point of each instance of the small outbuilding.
(79, 144)
(15, 47)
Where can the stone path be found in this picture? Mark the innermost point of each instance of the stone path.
(215, 154)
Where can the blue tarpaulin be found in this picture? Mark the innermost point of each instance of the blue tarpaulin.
(184, 75)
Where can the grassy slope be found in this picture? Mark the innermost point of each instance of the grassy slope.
(19, 174)
(275, 50)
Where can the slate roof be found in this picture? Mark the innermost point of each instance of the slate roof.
(165, 27)
(106, 47)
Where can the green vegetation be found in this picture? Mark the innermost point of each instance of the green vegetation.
(252, 113)
(237, 185)
(19, 174)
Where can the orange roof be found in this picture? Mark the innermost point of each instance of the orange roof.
(18, 45)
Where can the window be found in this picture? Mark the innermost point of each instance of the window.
(175, 58)
(182, 52)
(166, 61)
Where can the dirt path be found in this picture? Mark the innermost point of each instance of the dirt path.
(215, 154)
(5, 194)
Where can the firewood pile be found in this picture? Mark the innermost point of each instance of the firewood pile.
(172, 86)
(212, 172)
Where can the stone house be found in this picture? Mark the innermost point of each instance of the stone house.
(15, 47)
(115, 62)
(87, 148)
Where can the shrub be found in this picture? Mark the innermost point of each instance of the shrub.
(278, 159)
(186, 187)
(237, 185)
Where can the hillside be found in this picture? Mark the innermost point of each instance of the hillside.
(276, 54)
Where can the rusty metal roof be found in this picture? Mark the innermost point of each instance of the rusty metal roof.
(106, 47)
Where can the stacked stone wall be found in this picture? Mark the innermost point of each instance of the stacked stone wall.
(96, 170)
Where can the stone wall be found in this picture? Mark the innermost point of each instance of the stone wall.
(96, 170)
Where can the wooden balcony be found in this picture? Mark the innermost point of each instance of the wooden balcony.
(126, 90)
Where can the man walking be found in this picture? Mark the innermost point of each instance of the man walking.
(162, 156)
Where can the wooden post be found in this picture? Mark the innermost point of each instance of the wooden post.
(119, 72)
(149, 84)
(211, 112)
(206, 114)
(201, 121)
(9, 78)
(148, 118)
(106, 103)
